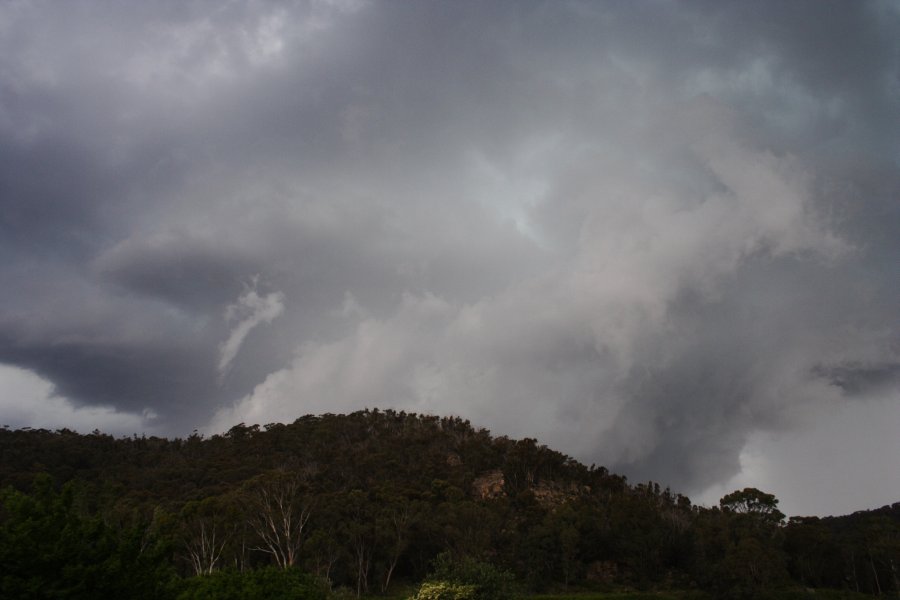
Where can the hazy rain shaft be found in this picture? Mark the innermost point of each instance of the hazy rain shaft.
(657, 236)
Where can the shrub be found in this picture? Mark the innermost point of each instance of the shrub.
(466, 579)
(445, 590)
(270, 583)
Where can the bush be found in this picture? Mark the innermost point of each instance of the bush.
(270, 583)
(466, 579)
(51, 548)
(445, 590)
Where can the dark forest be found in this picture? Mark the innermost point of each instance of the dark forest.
(394, 504)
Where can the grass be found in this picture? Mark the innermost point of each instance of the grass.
(403, 592)
(623, 595)
(783, 594)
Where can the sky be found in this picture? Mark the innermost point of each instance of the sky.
(660, 236)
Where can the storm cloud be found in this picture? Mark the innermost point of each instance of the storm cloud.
(649, 234)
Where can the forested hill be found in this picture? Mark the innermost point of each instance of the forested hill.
(369, 500)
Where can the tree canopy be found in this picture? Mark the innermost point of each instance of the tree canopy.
(376, 499)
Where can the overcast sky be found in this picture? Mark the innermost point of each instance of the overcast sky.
(658, 236)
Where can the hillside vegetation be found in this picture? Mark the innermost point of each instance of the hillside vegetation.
(375, 502)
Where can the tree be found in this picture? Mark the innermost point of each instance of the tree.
(751, 501)
(323, 551)
(753, 554)
(50, 547)
(359, 529)
(395, 519)
(810, 549)
(205, 534)
(278, 511)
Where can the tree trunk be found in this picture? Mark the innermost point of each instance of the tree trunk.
(875, 574)
(390, 571)
(362, 569)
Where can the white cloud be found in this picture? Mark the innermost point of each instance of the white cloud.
(553, 354)
(842, 460)
(247, 312)
(27, 400)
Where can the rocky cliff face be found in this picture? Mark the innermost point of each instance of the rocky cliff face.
(489, 485)
(552, 494)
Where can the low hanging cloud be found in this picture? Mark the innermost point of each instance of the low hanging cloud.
(246, 313)
(574, 353)
(29, 401)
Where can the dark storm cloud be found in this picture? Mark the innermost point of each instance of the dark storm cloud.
(856, 379)
(113, 373)
(184, 272)
(641, 232)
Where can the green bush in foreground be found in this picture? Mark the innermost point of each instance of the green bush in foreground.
(52, 547)
(270, 583)
(466, 579)
(445, 590)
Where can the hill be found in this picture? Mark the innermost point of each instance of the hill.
(370, 499)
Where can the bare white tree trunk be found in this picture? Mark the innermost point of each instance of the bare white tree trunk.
(363, 555)
(400, 521)
(205, 547)
(279, 516)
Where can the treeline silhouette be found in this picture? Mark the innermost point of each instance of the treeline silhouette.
(366, 502)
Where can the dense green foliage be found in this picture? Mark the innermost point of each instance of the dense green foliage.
(445, 590)
(475, 579)
(372, 499)
(268, 583)
(50, 548)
